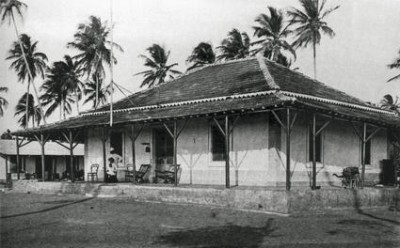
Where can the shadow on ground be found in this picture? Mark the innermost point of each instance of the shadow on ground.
(357, 207)
(63, 204)
(221, 236)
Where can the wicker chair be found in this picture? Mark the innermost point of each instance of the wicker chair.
(94, 168)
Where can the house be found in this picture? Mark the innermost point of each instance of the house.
(244, 122)
(56, 161)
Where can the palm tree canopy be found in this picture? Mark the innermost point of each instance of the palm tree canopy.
(91, 40)
(395, 65)
(158, 68)
(90, 91)
(7, 8)
(36, 60)
(62, 82)
(273, 31)
(202, 54)
(235, 46)
(3, 101)
(310, 22)
(33, 111)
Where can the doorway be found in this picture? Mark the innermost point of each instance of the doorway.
(164, 147)
(116, 142)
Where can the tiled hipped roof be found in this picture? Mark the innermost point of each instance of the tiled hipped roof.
(239, 85)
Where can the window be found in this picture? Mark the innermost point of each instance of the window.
(318, 145)
(217, 144)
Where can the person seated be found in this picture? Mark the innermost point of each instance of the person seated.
(111, 171)
(117, 158)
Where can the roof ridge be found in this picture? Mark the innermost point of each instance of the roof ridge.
(267, 75)
(321, 83)
(216, 63)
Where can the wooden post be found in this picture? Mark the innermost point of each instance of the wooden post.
(364, 141)
(132, 138)
(288, 127)
(71, 156)
(175, 159)
(7, 170)
(18, 161)
(42, 143)
(314, 150)
(227, 160)
(103, 141)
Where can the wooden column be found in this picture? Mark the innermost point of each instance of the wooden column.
(42, 143)
(227, 159)
(71, 156)
(288, 130)
(133, 135)
(175, 159)
(18, 160)
(103, 141)
(175, 135)
(314, 151)
(364, 141)
(315, 133)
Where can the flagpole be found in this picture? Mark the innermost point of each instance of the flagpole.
(112, 64)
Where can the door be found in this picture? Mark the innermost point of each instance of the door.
(164, 147)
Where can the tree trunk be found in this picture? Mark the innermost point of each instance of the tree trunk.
(97, 93)
(27, 106)
(315, 57)
(77, 101)
(27, 66)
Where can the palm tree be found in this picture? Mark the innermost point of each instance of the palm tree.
(158, 68)
(61, 84)
(310, 23)
(28, 63)
(273, 30)
(3, 101)
(389, 103)
(91, 92)
(33, 111)
(91, 40)
(202, 54)
(7, 8)
(395, 65)
(235, 46)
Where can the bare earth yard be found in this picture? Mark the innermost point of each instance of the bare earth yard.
(29, 220)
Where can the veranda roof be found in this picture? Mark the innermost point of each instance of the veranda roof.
(242, 85)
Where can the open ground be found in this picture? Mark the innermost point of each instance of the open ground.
(34, 220)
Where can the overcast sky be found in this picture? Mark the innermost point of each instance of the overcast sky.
(355, 60)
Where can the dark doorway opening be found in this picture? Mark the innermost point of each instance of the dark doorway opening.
(116, 142)
(164, 147)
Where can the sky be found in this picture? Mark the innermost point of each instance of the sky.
(355, 60)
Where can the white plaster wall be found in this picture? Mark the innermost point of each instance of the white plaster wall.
(94, 152)
(253, 162)
(3, 172)
(248, 156)
(341, 148)
(30, 164)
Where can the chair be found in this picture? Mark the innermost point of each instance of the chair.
(139, 175)
(129, 172)
(350, 177)
(94, 168)
(168, 175)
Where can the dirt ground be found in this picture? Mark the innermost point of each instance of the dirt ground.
(29, 220)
